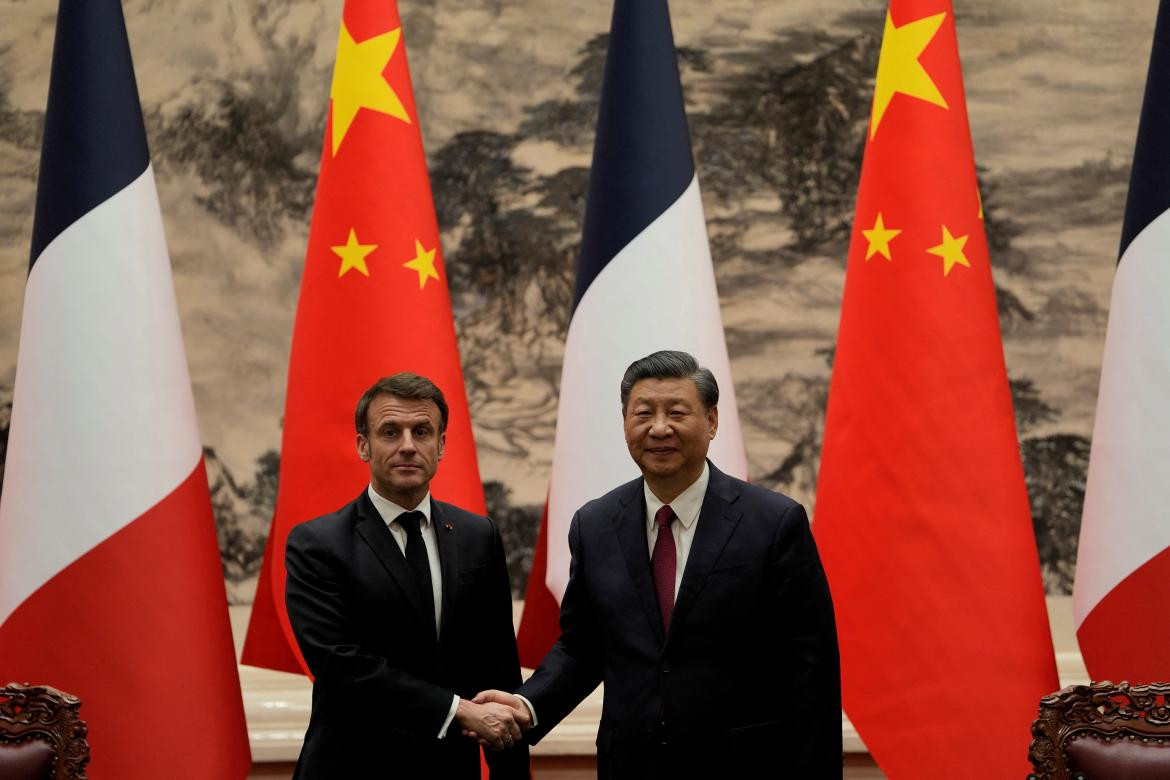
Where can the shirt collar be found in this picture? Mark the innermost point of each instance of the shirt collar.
(686, 504)
(390, 511)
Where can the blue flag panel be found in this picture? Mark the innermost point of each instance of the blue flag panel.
(1149, 179)
(642, 157)
(94, 142)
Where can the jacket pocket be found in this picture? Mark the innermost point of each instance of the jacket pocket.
(474, 574)
(757, 730)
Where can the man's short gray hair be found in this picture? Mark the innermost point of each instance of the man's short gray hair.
(671, 364)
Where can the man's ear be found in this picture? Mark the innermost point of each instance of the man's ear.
(713, 420)
(442, 444)
(363, 447)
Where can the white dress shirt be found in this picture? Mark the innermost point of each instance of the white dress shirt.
(389, 511)
(686, 506)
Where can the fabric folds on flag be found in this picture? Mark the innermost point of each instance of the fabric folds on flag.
(111, 586)
(644, 282)
(373, 301)
(922, 515)
(1123, 558)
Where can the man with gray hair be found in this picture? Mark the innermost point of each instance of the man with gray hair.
(700, 601)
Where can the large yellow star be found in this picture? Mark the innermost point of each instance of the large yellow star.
(879, 237)
(358, 82)
(353, 255)
(951, 251)
(423, 262)
(899, 69)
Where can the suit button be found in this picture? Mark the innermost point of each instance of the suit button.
(666, 668)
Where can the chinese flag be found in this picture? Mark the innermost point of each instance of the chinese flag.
(922, 515)
(373, 302)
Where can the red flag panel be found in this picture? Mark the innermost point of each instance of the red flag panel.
(374, 301)
(922, 515)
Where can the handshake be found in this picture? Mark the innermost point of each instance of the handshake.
(495, 718)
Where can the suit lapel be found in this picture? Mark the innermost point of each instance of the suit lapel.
(372, 528)
(718, 519)
(630, 524)
(445, 532)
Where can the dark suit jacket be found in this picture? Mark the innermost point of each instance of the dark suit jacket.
(747, 683)
(381, 687)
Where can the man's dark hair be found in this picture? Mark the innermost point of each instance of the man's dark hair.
(403, 385)
(671, 364)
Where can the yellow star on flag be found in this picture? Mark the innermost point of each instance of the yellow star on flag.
(899, 69)
(951, 251)
(353, 255)
(358, 81)
(879, 237)
(423, 262)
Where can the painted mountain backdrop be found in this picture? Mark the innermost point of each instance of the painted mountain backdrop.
(778, 96)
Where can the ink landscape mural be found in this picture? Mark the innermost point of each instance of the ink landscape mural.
(778, 97)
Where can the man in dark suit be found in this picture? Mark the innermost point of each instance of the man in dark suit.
(402, 609)
(700, 601)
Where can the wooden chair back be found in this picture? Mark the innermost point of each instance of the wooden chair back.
(42, 735)
(1102, 731)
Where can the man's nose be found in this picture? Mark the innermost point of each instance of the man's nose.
(660, 425)
(407, 443)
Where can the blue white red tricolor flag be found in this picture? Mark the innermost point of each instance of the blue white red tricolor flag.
(644, 283)
(1123, 559)
(110, 579)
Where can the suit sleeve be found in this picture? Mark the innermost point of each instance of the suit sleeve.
(329, 639)
(504, 660)
(573, 667)
(812, 656)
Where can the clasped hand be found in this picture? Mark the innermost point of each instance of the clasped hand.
(495, 718)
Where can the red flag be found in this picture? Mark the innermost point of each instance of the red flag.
(922, 515)
(373, 302)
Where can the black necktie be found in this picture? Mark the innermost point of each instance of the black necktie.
(416, 559)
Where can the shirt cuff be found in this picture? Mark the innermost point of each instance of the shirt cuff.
(531, 709)
(450, 717)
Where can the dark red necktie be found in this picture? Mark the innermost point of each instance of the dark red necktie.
(663, 562)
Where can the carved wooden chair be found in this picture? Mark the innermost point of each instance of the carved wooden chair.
(42, 735)
(1103, 731)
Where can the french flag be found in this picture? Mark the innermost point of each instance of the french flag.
(1123, 560)
(110, 580)
(644, 283)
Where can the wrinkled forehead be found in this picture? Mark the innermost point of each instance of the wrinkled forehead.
(665, 391)
(403, 412)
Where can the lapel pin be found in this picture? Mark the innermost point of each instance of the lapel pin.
(448, 526)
